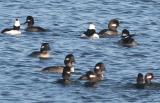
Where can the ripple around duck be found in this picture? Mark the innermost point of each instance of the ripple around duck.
(20, 76)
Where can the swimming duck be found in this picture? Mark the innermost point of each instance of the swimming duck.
(143, 81)
(31, 27)
(13, 31)
(66, 74)
(90, 33)
(59, 69)
(95, 75)
(43, 53)
(112, 29)
(126, 39)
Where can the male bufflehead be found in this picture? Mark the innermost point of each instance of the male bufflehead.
(112, 29)
(90, 33)
(95, 75)
(13, 31)
(43, 53)
(31, 28)
(59, 69)
(126, 39)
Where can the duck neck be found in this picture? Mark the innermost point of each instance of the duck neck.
(16, 27)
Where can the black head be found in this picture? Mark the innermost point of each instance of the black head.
(30, 20)
(140, 79)
(44, 47)
(125, 33)
(148, 78)
(113, 24)
(99, 68)
(90, 32)
(70, 57)
(68, 63)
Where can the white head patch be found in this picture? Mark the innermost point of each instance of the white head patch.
(92, 76)
(149, 77)
(92, 26)
(97, 67)
(114, 25)
(68, 72)
(124, 34)
(17, 23)
(67, 58)
(42, 46)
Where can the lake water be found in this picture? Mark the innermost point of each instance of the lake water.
(20, 79)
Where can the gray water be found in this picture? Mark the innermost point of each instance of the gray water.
(21, 80)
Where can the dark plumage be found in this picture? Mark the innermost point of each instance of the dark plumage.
(31, 27)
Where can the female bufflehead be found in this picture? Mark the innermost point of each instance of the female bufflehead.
(59, 69)
(43, 53)
(13, 31)
(90, 33)
(31, 28)
(126, 39)
(95, 75)
(148, 78)
(143, 81)
(66, 72)
(112, 29)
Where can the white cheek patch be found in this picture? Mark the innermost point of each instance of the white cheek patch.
(42, 46)
(67, 58)
(92, 76)
(114, 25)
(68, 72)
(28, 20)
(97, 67)
(17, 23)
(149, 77)
(124, 34)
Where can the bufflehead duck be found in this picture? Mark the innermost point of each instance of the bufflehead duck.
(126, 39)
(112, 29)
(90, 33)
(31, 28)
(59, 69)
(13, 31)
(143, 81)
(66, 72)
(95, 75)
(148, 78)
(43, 53)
